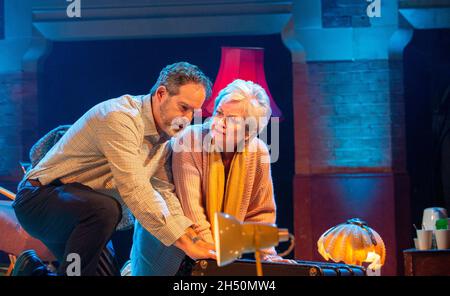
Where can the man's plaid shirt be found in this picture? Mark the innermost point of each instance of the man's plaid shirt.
(115, 149)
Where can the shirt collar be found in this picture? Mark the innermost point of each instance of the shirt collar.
(147, 115)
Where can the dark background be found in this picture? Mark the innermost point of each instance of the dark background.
(426, 77)
(78, 75)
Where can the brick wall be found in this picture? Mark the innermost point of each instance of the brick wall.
(10, 123)
(345, 118)
(350, 153)
(17, 125)
(344, 13)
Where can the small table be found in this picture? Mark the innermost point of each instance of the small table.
(427, 263)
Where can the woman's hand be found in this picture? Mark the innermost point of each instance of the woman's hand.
(276, 258)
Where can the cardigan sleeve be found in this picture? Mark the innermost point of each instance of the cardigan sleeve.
(262, 207)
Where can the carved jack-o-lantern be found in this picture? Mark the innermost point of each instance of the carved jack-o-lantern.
(353, 242)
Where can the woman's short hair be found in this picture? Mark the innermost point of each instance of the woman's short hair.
(256, 99)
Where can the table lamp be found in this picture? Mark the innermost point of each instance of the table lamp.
(353, 242)
(246, 63)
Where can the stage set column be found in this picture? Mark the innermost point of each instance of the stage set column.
(349, 124)
(21, 48)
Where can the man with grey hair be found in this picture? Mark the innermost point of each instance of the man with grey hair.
(220, 166)
(112, 160)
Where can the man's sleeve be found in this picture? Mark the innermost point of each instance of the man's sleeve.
(119, 140)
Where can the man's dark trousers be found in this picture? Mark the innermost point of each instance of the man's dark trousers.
(68, 218)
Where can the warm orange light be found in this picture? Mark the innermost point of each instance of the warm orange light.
(353, 243)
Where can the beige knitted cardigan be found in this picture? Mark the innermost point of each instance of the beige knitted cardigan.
(189, 167)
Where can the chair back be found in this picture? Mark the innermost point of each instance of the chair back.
(7, 193)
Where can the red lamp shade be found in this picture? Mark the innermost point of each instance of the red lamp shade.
(240, 63)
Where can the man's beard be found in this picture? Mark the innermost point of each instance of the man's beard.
(174, 126)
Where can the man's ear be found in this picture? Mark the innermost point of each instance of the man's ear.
(161, 93)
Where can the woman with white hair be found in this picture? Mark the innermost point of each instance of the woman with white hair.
(220, 166)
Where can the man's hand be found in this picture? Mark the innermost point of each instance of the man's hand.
(195, 247)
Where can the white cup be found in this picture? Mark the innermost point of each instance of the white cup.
(416, 243)
(442, 238)
(424, 239)
(431, 215)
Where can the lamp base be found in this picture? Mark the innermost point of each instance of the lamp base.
(373, 272)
